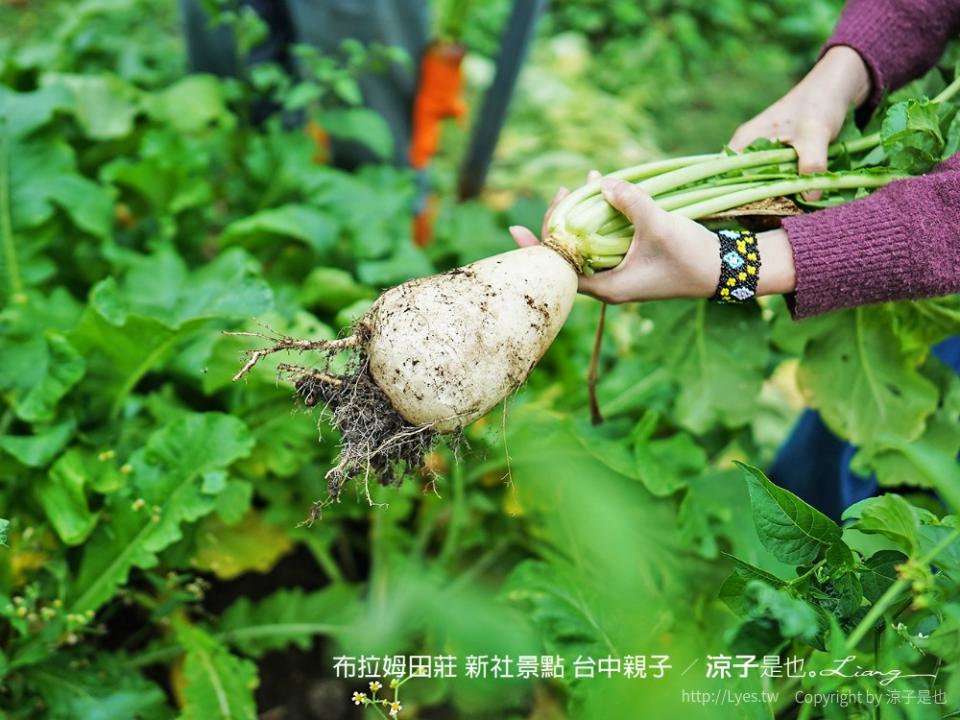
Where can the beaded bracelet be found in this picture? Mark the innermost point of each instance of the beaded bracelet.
(739, 266)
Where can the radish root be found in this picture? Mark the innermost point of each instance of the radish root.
(285, 342)
(375, 440)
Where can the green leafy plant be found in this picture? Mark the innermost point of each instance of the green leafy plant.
(154, 562)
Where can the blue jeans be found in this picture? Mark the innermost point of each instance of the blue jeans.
(814, 464)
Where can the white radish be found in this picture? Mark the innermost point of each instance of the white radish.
(447, 348)
(431, 356)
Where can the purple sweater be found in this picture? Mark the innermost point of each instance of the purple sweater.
(903, 241)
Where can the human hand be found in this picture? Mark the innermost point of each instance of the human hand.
(811, 114)
(670, 256)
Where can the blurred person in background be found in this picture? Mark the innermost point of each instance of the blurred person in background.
(324, 24)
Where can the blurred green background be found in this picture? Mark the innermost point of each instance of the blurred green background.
(156, 508)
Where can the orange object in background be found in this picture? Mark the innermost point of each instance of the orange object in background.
(321, 141)
(423, 220)
(439, 97)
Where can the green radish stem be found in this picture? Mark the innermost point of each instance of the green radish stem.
(686, 197)
(786, 187)
(631, 174)
(679, 198)
(583, 217)
(604, 262)
(602, 251)
(682, 198)
(678, 172)
(595, 212)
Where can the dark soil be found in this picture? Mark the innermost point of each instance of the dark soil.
(377, 443)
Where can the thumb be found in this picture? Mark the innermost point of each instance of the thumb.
(634, 203)
(812, 156)
(522, 236)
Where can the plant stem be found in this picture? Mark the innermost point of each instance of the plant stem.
(593, 213)
(888, 598)
(584, 210)
(714, 188)
(949, 91)
(601, 252)
(867, 142)
(606, 245)
(688, 197)
(458, 513)
(596, 417)
(634, 173)
(16, 293)
(605, 262)
(808, 573)
(786, 187)
(684, 176)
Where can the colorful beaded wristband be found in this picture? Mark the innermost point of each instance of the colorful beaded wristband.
(739, 266)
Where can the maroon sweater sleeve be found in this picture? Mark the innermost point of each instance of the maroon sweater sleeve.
(901, 242)
(899, 40)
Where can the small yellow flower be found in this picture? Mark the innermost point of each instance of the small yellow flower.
(394, 683)
(751, 256)
(359, 698)
(751, 269)
(742, 276)
(724, 292)
(749, 239)
(374, 685)
(731, 282)
(395, 707)
(741, 246)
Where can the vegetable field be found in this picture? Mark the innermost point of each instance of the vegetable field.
(173, 543)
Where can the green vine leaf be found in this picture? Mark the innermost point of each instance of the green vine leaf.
(131, 327)
(733, 590)
(791, 530)
(891, 516)
(879, 572)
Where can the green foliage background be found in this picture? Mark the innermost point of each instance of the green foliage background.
(155, 562)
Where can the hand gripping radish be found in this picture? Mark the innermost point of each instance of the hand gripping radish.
(436, 353)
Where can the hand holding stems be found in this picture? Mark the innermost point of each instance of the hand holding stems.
(670, 256)
(673, 257)
(811, 114)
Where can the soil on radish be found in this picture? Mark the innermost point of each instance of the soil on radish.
(376, 442)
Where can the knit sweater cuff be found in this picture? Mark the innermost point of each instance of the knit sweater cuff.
(862, 43)
(829, 276)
